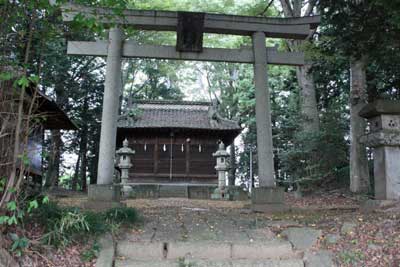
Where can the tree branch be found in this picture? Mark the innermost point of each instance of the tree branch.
(266, 8)
(287, 9)
(296, 8)
(310, 7)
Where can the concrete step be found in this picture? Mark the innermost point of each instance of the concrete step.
(208, 250)
(208, 263)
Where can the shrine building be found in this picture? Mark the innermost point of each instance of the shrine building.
(174, 141)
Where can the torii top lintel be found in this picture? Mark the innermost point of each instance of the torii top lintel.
(290, 28)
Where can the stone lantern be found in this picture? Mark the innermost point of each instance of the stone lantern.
(222, 166)
(125, 164)
(384, 137)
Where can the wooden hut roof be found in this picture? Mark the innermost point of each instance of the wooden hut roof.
(177, 115)
(55, 117)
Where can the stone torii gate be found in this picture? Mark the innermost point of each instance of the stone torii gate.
(190, 27)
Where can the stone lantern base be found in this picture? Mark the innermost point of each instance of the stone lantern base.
(220, 194)
(268, 199)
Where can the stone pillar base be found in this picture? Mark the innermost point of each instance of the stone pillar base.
(236, 193)
(104, 192)
(372, 205)
(220, 194)
(268, 199)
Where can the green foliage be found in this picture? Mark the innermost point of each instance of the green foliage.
(318, 159)
(91, 253)
(15, 212)
(351, 257)
(5, 76)
(368, 29)
(19, 244)
(70, 225)
(64, 225)
(97, 222)
(10, 220)
(122, 215)
(135, 113)
(2, 184)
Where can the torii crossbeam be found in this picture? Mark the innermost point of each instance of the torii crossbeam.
(190, 28)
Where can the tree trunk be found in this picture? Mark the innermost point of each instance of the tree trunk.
(308, 100)
(76, 174)
(83, 146)
(84, 160)
(94, 162)
(359, 172)
(54, 160)
(232, 169)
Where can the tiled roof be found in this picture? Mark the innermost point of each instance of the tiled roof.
(176, 114)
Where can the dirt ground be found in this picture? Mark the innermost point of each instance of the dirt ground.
(355, 238)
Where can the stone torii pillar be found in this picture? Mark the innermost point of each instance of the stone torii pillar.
(263, 113)
(267, 197)
(104, 189)
(109, 115)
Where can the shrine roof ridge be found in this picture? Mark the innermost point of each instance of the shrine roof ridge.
(173, 102)
(177, 114)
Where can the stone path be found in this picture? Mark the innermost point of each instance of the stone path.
(213, 236)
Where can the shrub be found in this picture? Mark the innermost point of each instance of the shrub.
(62, 225)
(71, 224)
(97, 223)
(48, 212)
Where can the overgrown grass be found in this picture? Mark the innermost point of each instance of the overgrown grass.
(64, 224)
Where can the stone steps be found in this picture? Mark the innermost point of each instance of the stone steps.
(206, 250)
(208, 263)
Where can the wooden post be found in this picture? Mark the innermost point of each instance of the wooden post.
(187, 156)
(155, 156)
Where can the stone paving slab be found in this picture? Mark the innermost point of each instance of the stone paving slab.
(320, 258)
(206, 250)
(226, 229)
(169, 230)
(106, 254)
(199, 250)
(196, 227)
(262, 234)
(140, 250)
(302, 237)
(205, 263)
(262, 250)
